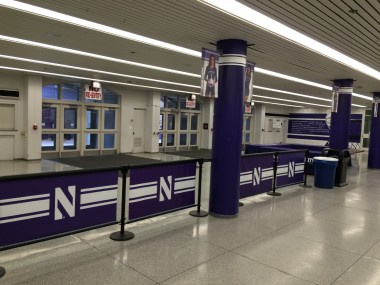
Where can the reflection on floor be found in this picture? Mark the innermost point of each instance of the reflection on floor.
(306, 236)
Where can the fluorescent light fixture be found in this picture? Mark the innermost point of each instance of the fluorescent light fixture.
(93, 55)
(291, 93)
(277, 104)
(247, 14)
(97, 79)
(50, 14)
(291, 101)
(95, 70)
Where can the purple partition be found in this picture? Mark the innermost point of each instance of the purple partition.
(256, 174)
(38, 207)
(163, 188)
(290, 168)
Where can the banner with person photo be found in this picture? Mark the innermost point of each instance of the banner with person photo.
(248, 85)
(210, 69)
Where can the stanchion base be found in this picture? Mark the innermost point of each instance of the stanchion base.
(201, 213)
(271, 193)
(305, 186)
(241, 204)
(2, 271)
(118, 236)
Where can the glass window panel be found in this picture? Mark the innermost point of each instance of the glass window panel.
(161, 121)
(49, 117)
(182, 103)
(92, 118)
(48, 142)
(160, 139)
(91, 141)
(109, 119)
(170, 139)
(365, 142)
(248, 123)
(171, 122)
(197, 106)
(70, 141)
(70, 118)
(50, 91)
(183, 123)
(247, 138)
(194, 122)
(162, 102)
(110, 97)
(193, 139)
(109, 140)
(172, 102)
(183, 139)
(367, 124)
(368, 112)
(71, 91)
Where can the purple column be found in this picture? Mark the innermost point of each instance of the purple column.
(227, 131)
(374, 137)
(340, 120)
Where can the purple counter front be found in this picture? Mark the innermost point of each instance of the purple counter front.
(38, 207)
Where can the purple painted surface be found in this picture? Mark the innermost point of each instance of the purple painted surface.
(290, 168)
(227, 138)
(256, 175)
(340, 121)
(35, 208)
(157, 189)
(374, 140)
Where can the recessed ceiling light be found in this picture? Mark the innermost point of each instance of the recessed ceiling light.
(296, 106)
(291, 101)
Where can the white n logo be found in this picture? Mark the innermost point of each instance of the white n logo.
(291, 169)
(256, 176)
(166, 188)
(64, 204)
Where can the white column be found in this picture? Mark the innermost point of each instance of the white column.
(208, 116)
(33, 116)
(259, 123)
(152, 121)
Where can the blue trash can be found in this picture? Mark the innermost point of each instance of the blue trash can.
(324, 171)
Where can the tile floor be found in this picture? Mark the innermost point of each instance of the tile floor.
(306, 236)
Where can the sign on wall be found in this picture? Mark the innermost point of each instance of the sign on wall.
(157, 189)
(92, 93)
(35, 208)
(256, 175)
(210, 69)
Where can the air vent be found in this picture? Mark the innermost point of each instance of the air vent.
(9, 94)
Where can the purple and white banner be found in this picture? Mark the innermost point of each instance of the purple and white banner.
(157, 189)
(39, 207)
(290, 168)
(256, 175)
(210, 69)
(248, 85)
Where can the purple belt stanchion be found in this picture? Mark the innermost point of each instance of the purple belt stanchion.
(123, 235)
(304, 184)
(374, 139)
(273, 192)
(198, 212)
(341, 115)
(228, 123)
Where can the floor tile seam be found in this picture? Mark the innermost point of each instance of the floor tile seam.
(325, 219)
(364, 254)
(120, 262)
(377, 213)
(278, 269)
(192, 267)
(347, 269)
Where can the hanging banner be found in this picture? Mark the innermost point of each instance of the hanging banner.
(335, 98)
(92, 93)
(247, 108)
(376, 101)
(248, 85)
(209, 82)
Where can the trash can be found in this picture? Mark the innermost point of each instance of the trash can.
(324, 171)
(343, 157)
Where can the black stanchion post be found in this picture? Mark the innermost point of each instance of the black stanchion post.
(123, 235)
(241, 204)
(275, 161)
(2, 271)
(304, 184)
(198, 212)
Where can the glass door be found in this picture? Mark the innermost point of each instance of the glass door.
(70, 132)
(91, 133)
(367, 128)
(50, 127)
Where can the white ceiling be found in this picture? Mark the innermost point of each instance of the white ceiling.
(349, 26)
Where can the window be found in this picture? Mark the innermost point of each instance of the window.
(49, 117)
(71, 91)
(50, 91)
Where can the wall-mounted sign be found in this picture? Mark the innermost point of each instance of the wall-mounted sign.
(93, 93)
(190, 103)
(248, 85)
(209, 82)
(247, 109)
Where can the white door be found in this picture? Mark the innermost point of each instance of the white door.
(138, 130)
